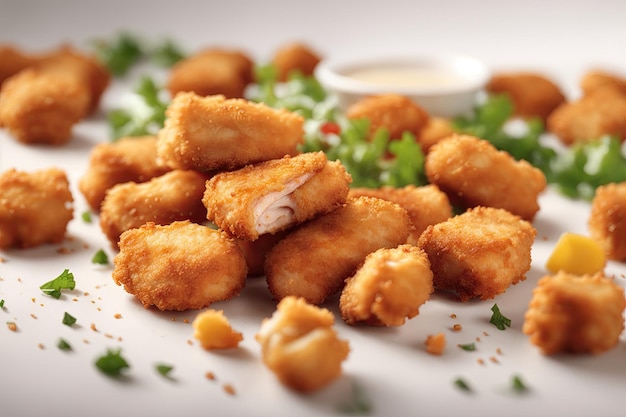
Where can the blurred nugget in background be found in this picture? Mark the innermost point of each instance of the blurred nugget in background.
(294, 57)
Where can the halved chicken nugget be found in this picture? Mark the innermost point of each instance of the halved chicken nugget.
(274, 195)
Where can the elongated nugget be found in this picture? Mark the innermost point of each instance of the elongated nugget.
(480, 253)
(274, 195)
(176, 195)
(35, 207)
(314, 260)
(179, 266)
(214, 133)
(575, 314)
(127, 159)
(472, 172)
(426, 205)
(388, 288)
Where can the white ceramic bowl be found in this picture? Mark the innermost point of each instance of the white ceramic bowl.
(443, 85)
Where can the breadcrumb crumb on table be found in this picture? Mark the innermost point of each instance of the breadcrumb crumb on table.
(575, 314)
(213, 330)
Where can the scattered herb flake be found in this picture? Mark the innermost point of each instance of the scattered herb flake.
(2, 303)
(470, 347)
(498, 319)
(517, 384)
(462, 384)
(100, 258)
(164, 369)
(359, 403)
(64, 345)
(64, 281)
(86, 216)
(68, 319)
(112, 363)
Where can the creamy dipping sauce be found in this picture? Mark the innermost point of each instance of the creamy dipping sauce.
(407, 76)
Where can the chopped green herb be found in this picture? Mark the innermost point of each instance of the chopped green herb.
(100, 258)
(517, 384)
(86, 216)
(470, 347)
(64, 345)
(164, 369)
(498, 319)
(167, 54)
(112, 363)
(462, 384)
(359, 403)
(64, 281)
(68, 319)
(2, 303)
(119, 54)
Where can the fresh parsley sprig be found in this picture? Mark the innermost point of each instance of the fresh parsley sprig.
(498, 319)
(62, 282)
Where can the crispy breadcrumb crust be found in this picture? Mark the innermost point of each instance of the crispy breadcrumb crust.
(180, 266)
(35, 207)
(607, 219)
(575, 314)
(231, 197)
(213, 330)
(480, 253)
(472, 172)
(314, 260)
(300, 345)
(388, 288)
(214, 133)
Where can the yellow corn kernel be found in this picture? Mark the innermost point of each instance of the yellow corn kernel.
(213, 331)
(576, 254)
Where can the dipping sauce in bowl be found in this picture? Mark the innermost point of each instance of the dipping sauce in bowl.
(445, 86)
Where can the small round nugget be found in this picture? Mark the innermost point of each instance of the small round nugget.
(480, 253)
(388, 287)
(295, 57)
(575, 314)
(607, 219)
(180, 266)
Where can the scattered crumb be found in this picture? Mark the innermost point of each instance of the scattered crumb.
(2, 260)
(12, 326)
(93, 327)
(186, 321)
(494, 359)
(41, 346)
(33, 316)
(210, 375)
(64, 251)
(117, 315)
(85, 341)
(485, 334)
(499, 351)
(456, 327)
(190, 342)
(478, 338)
(110, 336)
(435, 343)
(229, 389)
(33, 299)
(480, 361)
(452, 316)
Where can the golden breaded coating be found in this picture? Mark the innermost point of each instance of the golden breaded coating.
(396, 113)
(388, 288)
(127, 159)
(42, 108)
(472, 172)
(213, 331)
(180, 266)
(426, 204)
(436, 129)
(532, 94)
(275, 195)
(575, 314)
(212, 71)
(35, 207)
(13, 60)
(480, 253)
(314, 260)
(607, 219)
(596, 80)
(300, 345)
(175, 195)
(591, 117)
(255, 251)
(214, 133)
(295, 56)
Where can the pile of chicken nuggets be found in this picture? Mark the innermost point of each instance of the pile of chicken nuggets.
(223, 193)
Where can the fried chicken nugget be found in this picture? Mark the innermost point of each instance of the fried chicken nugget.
(575, 314)
(595, 115)
(35, 207)
(472, 172)
(596, 80)
(274, 195)
(300, 345)
(425, 205)
(127, 159)
(314, 260)
(388, 288)
(607, 219)
(532, 94)
(480, 253)
(212, 71)
(255, 251)
(175, 195)
(394, 112)
(214, 133)
(180, 266)
(12, 61)
(436, 129)
(295, 56)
